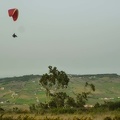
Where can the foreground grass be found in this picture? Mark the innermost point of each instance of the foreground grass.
(84, 116)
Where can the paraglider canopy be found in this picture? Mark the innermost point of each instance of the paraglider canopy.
(13, 13)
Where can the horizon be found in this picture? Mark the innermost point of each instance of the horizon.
(66, 73)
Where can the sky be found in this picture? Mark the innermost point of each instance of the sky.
(76, 36)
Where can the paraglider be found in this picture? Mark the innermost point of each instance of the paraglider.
(14, 14)
(14, 35)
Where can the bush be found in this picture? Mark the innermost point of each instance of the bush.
(116, 118)
(107, 118)
(18, 118)
(114, 105)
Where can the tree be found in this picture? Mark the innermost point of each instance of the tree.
(83, 97)
(54, 80)
(92, 87)
(70, 102)
(58, 100)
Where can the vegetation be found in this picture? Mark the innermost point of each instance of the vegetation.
(58, 117)
(22, 78)
(54, 80)
(66, 94)
(61, 101)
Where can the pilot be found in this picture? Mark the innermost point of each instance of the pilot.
(14, 35)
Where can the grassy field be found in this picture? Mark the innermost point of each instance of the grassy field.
(90, 116)
(23, 92)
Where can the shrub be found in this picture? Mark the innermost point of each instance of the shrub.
(116, 118)
(114, 105)
(107, 118)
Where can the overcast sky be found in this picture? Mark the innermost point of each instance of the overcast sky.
(76, 36)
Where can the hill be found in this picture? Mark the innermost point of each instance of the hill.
(25, 90)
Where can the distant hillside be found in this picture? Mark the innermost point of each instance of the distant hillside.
(29, 77)
(20, 78)
(113, 75)
(25, 90)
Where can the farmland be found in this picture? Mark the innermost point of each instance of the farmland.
(25, 90)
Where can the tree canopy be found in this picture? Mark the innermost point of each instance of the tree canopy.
(54, 80)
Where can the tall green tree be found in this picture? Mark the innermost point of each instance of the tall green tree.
(54, 80)
(58, 100)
